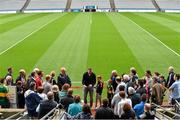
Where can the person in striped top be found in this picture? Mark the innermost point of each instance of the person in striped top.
(4, 97)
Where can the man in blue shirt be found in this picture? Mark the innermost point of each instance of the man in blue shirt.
(139, 108)
(175, 90)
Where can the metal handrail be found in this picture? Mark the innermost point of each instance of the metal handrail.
(11, 117)
(173, 113)
(177, 103)
(49, 113)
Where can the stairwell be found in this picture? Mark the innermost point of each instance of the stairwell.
(156, 5)
(68, 6)
(25, 6)
(112, 4)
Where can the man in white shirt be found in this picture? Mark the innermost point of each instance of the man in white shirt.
(115, 101)
(122, 102)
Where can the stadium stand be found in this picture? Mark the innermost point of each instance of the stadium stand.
(47, 5)
(11, 5)
(101, 4)
(134, 4)
(169, 4)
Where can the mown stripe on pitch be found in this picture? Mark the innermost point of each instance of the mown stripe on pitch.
(167, 36)
(19, 33)
(169, 16)
(70, 49)
(7, 15)
(13, 24)
(107, 49)
(174, 14)
(171, 24)
(149, 53)
(2, 21)
(26, 54)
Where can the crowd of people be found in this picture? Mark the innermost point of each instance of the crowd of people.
(128, 95)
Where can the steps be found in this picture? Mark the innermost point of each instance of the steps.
(156, 5)
(112, 4)
(25, 5)
(68, 6)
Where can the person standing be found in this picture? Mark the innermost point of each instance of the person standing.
(99, 89)
(63, 78)
(47, 105)
(139, 108)
(110, 92)
(10, 73)
(53, 80)
(75, 107)
(175, 90)
(85, 114)
(47, 85)
(114, 74)
(104, 112)
(148, 84)
(32, 100)
(88, 82)
(157, 92)
(170, 79)
(22, 77)
(4, 97)
(67, 100)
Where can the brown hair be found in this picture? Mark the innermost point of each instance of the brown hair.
(177, 76)
(65, 87)
(126, 107)
(122, 94)
(86, 108)
(48, 77)
(77, 98)
(40, 89)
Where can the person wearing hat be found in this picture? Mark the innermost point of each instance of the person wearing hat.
(55, 90)
(99, 89)
(88, 82)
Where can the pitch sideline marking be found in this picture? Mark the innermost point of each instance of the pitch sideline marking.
(28, 35)
(154, 37)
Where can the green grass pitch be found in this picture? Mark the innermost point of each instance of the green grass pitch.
(103, 41)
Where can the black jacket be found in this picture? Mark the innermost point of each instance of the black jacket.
(45, 107)
(128, 115)
(62, 79)
(104, 113)
(170, 79)
(87, 80)
(66, 101)
(141, 91)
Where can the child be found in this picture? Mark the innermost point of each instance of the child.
(110, 91)
(99, 89)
